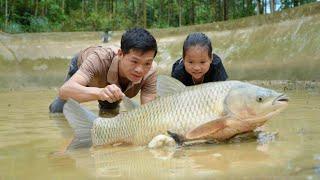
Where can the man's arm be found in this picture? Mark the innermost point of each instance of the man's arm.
(76, 89)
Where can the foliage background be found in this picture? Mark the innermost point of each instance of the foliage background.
(18, 16)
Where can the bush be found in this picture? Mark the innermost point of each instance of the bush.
(39, 24)
(94, 21)
(14, 28)
(55, 13)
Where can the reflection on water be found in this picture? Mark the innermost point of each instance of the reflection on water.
(30, 138)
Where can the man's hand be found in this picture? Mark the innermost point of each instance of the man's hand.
(111, 93)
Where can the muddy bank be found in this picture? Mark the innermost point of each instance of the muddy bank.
(34, 46)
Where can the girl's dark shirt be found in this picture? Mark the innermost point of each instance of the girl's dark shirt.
(216, 72)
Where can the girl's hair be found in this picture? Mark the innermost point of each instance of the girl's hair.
(197, 39)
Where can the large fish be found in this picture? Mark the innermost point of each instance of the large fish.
(210, 111)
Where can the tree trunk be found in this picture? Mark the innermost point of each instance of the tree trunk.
(111, 7)
(6, 14)
(126, 7)
(11, 10)
(82, 9)
(180, 12)
(272, 2)
(45, 8)
(62, 5)
(244, 8)
(144, 13)
(192, 13)
(259, 6)
(105, 8)
(113, 13)
(134, 10)
(42, 9)
(62, 9)
(225, 10)
(249, 5)
(36, 8)
(169, 12)
(160, 11)
(296, 3)
(138, 13)
(115, 7)
(154, 11)
(213, 10)
(25, 3)
(96, 6)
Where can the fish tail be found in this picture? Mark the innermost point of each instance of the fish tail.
(81, 120)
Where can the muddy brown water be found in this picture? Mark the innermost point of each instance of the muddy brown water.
(30, 138)
(32, 66)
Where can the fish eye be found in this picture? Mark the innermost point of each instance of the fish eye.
(259, 99)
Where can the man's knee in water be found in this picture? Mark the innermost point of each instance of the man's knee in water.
(57, 105)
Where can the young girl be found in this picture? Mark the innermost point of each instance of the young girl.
(198, 64)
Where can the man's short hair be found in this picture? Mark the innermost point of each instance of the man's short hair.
(138, 39)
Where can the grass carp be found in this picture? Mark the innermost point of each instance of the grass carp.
(210, 111)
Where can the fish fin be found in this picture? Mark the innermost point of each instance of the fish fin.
(206, 129)
(167, 85)
(81, 121)
(129, 104)
(179, 139)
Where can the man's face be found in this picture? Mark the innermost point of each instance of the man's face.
(135, 64)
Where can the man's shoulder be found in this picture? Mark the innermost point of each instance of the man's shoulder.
(98, 52)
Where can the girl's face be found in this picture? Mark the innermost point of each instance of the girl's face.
(197, 62)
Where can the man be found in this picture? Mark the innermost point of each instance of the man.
(101, 74)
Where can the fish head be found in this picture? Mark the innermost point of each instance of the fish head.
(250, 102)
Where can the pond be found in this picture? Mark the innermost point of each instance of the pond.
(31, 138)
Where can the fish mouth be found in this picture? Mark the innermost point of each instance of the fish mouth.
(282, 98)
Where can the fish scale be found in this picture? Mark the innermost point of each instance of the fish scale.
(172, 112)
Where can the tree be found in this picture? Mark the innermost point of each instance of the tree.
(78, 15)
(260, 6)
(225, 10)
(272, 6)
(296, 3)
(180, 12)
(144, 13)
(6, 14)
(213, 9)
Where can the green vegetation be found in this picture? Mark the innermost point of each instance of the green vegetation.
(19, 16)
